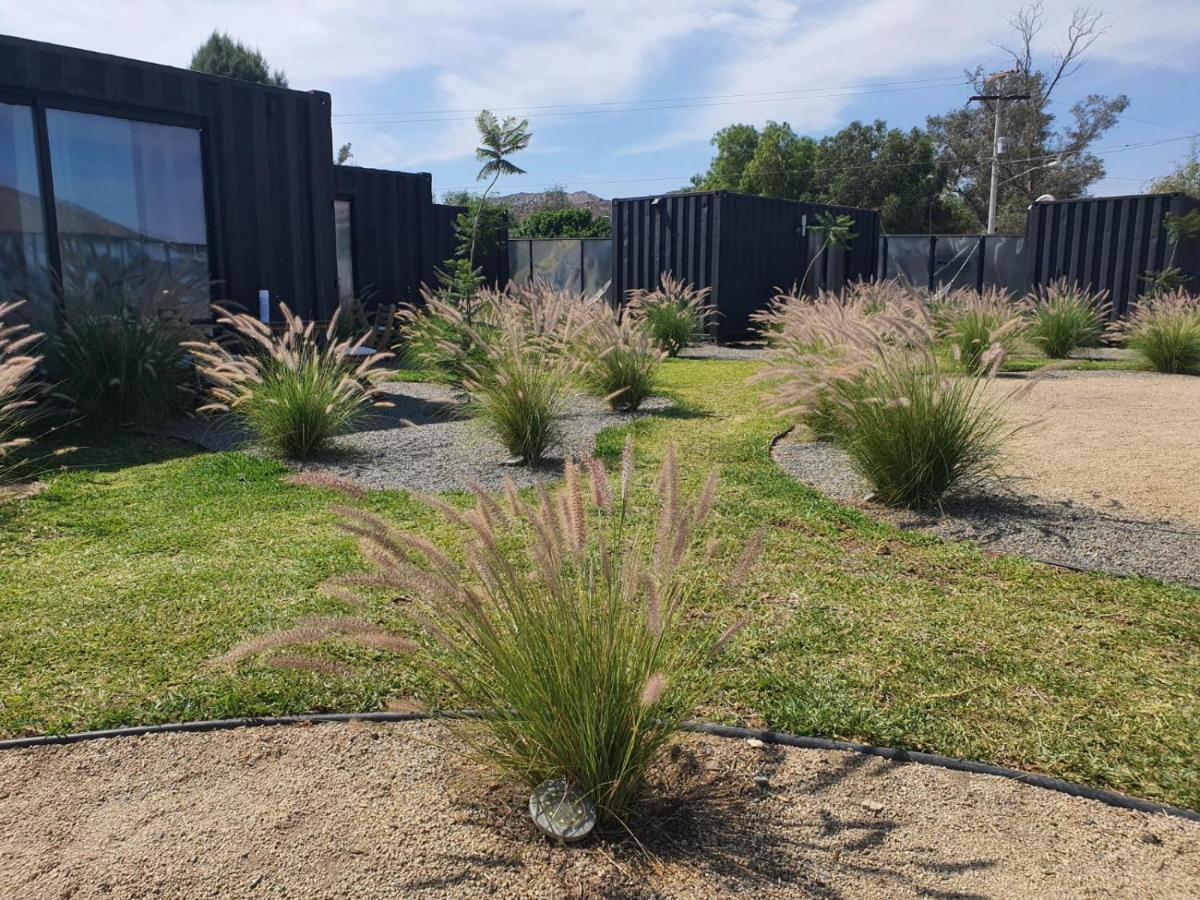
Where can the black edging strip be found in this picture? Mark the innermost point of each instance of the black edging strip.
(1109, 798)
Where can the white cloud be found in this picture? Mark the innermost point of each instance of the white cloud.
(541, 52)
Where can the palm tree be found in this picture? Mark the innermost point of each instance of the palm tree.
(498, 141)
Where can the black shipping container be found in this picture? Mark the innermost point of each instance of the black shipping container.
(266, 159)
(395, 230)
(745, 248)
(1108, 243)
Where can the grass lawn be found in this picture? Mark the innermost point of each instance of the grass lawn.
(122, 579)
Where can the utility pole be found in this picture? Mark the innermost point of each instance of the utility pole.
(999, 100)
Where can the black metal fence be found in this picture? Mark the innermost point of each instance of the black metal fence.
(744, 248)
(1109, 243)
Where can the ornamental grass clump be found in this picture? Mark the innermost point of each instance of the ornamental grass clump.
(19, 389)
(118, 357)
(675, 313)
(1164, 331)
(817, 345)
(914, 433)
(296, 390)
(438, 335)
(620, 359)
(520, 391)
(975, 323)
(1066, 317)
(567, 629)
(872, 383)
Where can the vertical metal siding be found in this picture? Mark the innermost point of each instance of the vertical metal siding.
(389, 212)
(742, 247)
(1107, 243)
(267, 153)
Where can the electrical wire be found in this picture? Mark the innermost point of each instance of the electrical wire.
(1119, 148)
(638, 109)
(646, 103)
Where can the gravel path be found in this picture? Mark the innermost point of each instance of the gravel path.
(1101, 476)
(388, 811)
(723, 351)
(1053, 531)
(439, 450)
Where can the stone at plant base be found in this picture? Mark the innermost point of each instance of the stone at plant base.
(561, 812)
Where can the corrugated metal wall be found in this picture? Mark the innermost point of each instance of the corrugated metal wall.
(395, 231)
(743, 247)
(267, 151)
(1107, 243)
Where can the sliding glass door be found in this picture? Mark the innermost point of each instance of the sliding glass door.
(129, 199)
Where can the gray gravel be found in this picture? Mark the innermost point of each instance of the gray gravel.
(1051, 531)
(723, 351)
(422, 442)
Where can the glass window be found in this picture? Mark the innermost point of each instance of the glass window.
(130, 194)
(24, 270)
(344, 241)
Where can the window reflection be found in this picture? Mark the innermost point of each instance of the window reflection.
(24, 267)
(132, 193)
(344, 241)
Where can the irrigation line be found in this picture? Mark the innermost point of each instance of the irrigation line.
(1109, 798)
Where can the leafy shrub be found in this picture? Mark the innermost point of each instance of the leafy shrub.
(119, 354)
(620, 359)
(571, 222)
(294, 390)
(566, 632)
(1066, 317)
(1164, 331)
(980, 327)
(675, 313)
(19, 391)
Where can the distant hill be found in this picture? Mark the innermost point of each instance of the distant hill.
(524, 203)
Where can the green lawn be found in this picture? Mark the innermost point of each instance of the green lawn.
(118, 583)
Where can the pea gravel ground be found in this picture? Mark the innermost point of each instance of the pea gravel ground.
(1102, 477)
(422, 442)
(386, 811)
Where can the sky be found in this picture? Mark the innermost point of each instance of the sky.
(623, 95)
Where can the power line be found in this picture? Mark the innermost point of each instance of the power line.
(593, 112)
(1119, 148)
(950, 81)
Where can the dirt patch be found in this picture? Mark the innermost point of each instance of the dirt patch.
(386, 811)
(1124, 441)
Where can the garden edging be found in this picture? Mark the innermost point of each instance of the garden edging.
(804, 742)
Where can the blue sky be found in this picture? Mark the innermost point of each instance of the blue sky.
(406, 77)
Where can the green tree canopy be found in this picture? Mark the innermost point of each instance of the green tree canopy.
(222, 55)
(870, 166)
(1040, 156)
(1185, 177)
(563, 223)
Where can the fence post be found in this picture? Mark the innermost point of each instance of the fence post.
(979, 273)
(932, 261)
